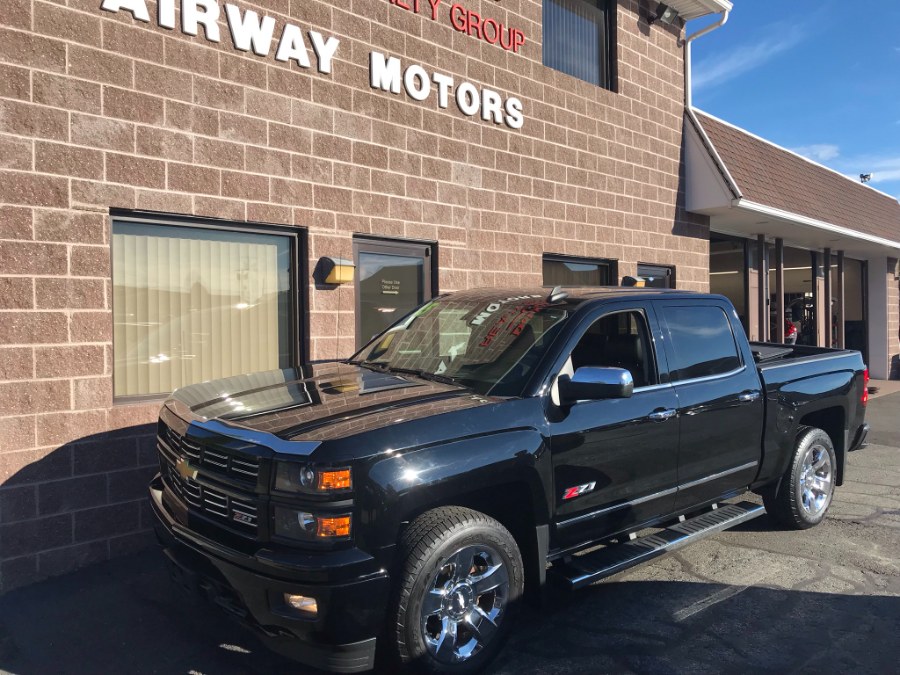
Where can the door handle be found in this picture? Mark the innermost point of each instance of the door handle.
(662, 415)
(748, 396)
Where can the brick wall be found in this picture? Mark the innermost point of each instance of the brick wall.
(98, 110)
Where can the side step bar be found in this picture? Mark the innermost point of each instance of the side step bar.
(580, 571)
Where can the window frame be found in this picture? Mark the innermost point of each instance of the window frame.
(671, 275)
(298, 319)
(609, 70)
(613, 264)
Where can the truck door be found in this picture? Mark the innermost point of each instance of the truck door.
(614, 460)
(719, 400)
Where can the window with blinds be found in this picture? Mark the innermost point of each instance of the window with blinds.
(560, 270)
(577, 39)
(192, 304)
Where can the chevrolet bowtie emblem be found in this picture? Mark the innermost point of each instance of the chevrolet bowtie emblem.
(185, 470)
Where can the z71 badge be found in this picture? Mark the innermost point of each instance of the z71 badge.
(242, 517)
(579, 490)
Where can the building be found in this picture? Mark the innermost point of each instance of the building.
(186, 185)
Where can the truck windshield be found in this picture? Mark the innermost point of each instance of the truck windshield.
(491, 345)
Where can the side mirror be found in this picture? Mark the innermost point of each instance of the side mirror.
(591, 383)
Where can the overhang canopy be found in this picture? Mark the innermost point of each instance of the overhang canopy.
(693, 9)
(749, 186)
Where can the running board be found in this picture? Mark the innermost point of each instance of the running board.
(579, 571)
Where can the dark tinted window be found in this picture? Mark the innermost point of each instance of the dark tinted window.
(657, 276)
(702, 342)
(566, 271)
(618, 340)
(577, 39)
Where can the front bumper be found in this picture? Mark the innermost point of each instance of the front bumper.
(341, 637)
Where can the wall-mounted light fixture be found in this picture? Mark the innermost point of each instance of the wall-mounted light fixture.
(664, 15)
(335, 271)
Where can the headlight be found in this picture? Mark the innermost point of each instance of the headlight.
(304, 526)
(295, 477)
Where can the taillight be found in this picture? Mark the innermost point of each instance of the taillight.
(865, 394)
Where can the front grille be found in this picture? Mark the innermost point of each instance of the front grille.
(235, 511)
(244, 468)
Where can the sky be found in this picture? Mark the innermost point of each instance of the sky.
(820, 78)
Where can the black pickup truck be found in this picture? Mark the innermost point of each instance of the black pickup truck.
(489, 446)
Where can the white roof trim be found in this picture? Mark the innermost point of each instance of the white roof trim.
(693, 9)
(790, 152)
(812, 222)
(726, 174)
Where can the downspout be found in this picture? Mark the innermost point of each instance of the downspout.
(688, 97)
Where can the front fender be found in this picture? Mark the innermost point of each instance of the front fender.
(401, 486)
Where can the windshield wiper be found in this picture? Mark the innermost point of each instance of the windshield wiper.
(424, 374)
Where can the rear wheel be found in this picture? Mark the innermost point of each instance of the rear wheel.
(457, 593)
(807, 487)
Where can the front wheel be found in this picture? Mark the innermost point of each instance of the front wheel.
(807, 487)
(457, 592)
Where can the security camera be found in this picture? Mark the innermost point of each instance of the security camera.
(865, 177)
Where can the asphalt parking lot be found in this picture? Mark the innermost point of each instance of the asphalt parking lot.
(751, 599)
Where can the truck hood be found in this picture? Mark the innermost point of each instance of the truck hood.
(319, 402)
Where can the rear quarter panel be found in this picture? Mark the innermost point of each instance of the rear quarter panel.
(795, 389)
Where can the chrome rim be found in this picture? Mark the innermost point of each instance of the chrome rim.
(464, 603)
(816, 480)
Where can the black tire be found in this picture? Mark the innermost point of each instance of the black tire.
(790, 504)
(427, 549)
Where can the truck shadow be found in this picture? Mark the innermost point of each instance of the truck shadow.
(125, 616)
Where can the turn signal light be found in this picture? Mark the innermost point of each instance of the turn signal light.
(335, 480)
(865, 394)
(334, 527)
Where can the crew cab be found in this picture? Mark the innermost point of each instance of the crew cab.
(491, 446)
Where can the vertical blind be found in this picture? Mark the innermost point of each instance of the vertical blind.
(575, 39)
(192, 304)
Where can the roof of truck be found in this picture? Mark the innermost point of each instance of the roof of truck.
(572, 294)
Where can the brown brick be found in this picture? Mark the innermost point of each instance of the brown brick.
(16, 223)
(31, 536)
(104, 521)
(89, 261)
(99, 66)
(243, 128)
(34, 190)
(101, 196)
(16, 572)
(163, 200)
(218, 94)
(16, 363)
(70, 226)
(32, 258)
(245, 186)
(15, 153)
(154, 79)
(25, 119)
(267, 105)
(223, 154)
(191, 56)
(101, 456)
(68, 160)
(18, 503)
(265, 160)
(165, 144)
(290, 138)
(65, 24)
(294, 192)
(69, 361)
(23, 328)
(31, 50)
(133, 170)
(333, 199)
(137, 40)
(91, 327)
(100, 132)
(92, 392)
(35, 465)
(17, 13)
(131, 484)
(188, 178)
(66, 427)
(71, 494)
(17, 433)
(16, 293)
(15, 82)
(132, 106)
(26, 398)
(67, 92)
(247, 70)
(215, 207)
(66, 293)
(70, 558)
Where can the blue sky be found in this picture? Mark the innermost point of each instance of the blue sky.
(820, 78)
